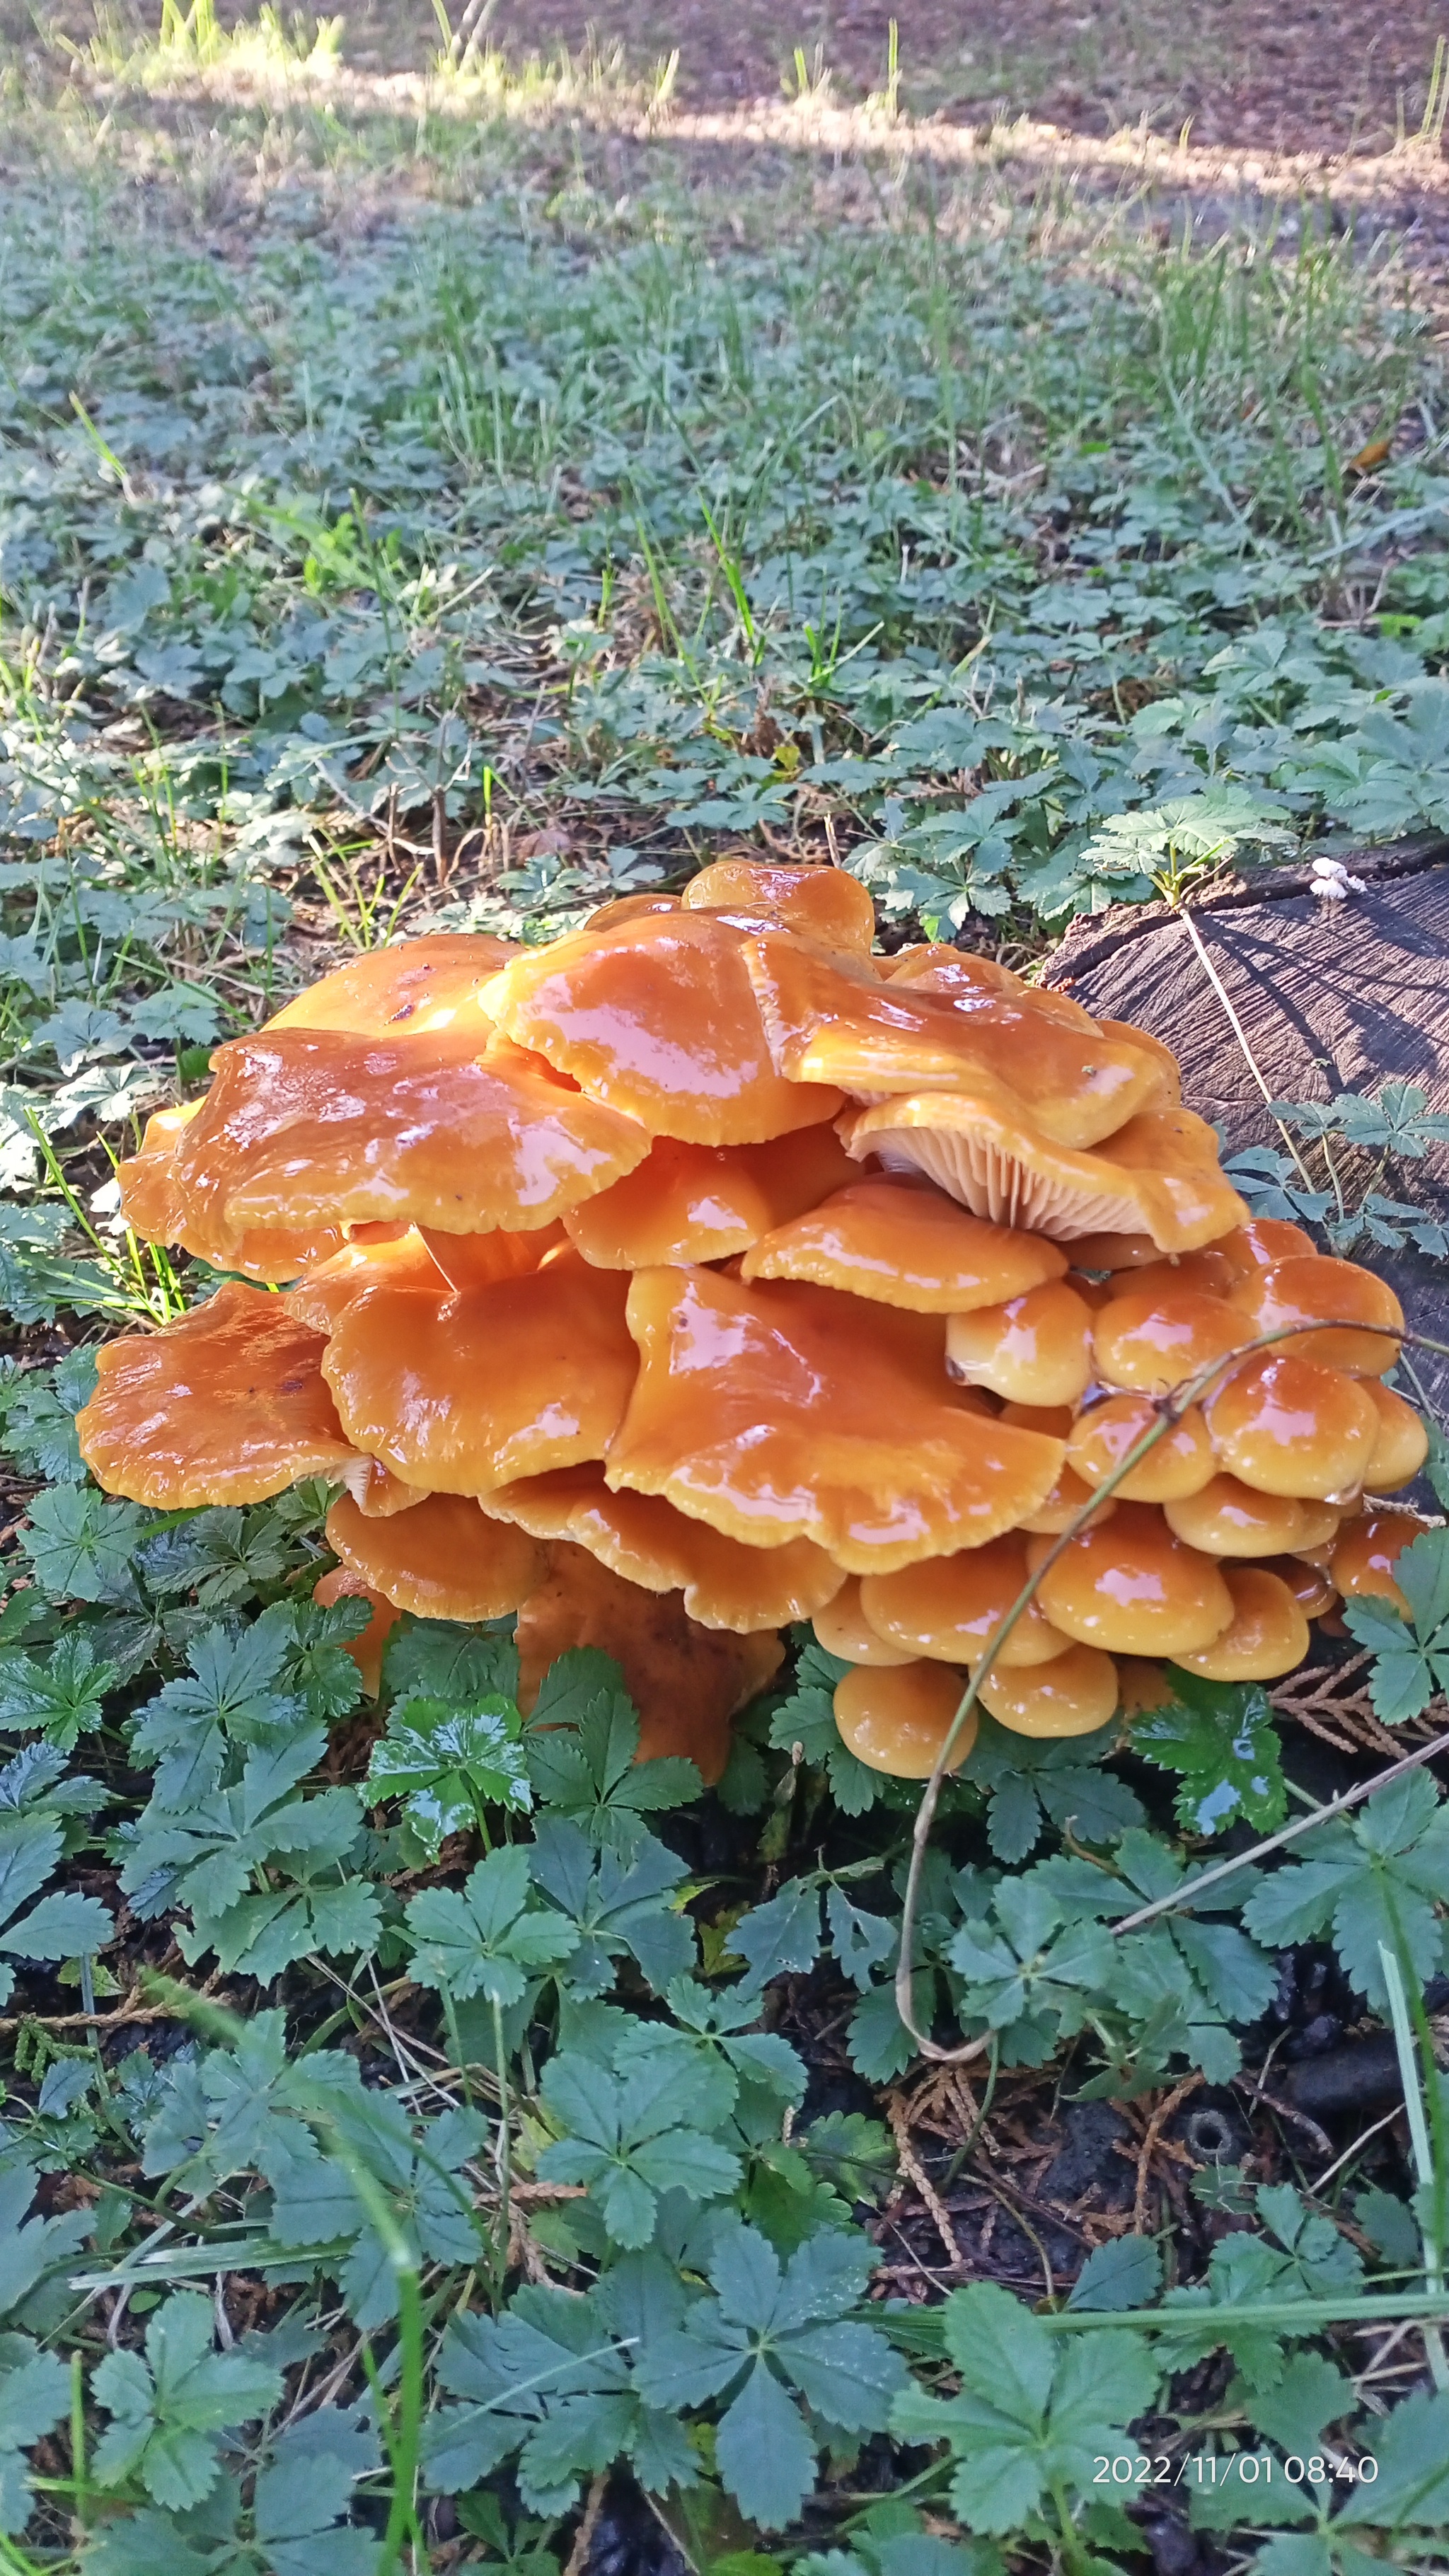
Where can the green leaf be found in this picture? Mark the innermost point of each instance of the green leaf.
(447, 1764)
(81, 1545)
(1222, 1737)
(486, 1940)
(64, 1696)
(1375, 1877)
(618, 1900)
(1411, 1658)
(1126, 2272)
(440, 1659)
(1029, 1780)
(583, 1737)
(167, 2410)
(764, 2333)
(1031, 2412)
(632, 2134)
(807, 1718)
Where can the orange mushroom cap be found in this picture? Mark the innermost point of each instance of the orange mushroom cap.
(330, 1287)
(1226, 1518)
(1309, 1585)
(897, 1721)
(1115, 1252)
(155, 1207)
(823, 904)
(1151, 1339)
(940, 968)
(644, 1538)
(706, 1202)
(418, 988)
(1402, 1444)
(1146, 1044)
(1132, 1588)
(150, 1200)
(376, 1491)
(658, 1020)
(828, 1024)
(630, 907)
(1035, 1349)
(1289, 1426)
(1182, 1462)
(686, 1681)
(1341, 1292)
(1206, 1273)
(904, 1244)
(227, 1405)
(1069, 1495)
(1073, 1695)
(366, 1650)
(1262, 1243)
(462, 1393)
(1368, 1549)
(479, 1260)
(843, 1629)
(312, 1125)
(949, 1607)
(1267, 1636)
(779, 1411)
(1158, 1174)
(445, 1560)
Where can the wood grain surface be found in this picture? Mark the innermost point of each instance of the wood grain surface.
(1341, 997)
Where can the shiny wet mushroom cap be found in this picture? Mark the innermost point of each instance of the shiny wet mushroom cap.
(843, 1629)
(313, 1126)
(1151, 1339)
(1307, 1288)
(1130, 1586)
(829, 1024)
(779, 1411)
(905, 1244)
(897, 1720)
(1036, 1349)
(1227, 1518)
(462, 1393)
(445, 1560)
(643, 1538)
(1181, 1462)
(1288, 1426)
(417, 988)
(1368, 1549)
(822, 904)
(227, 1405)
(1073, 1695)
(657, 1019)
(1267, 1635)
(707, 1202)
(949, 1608)
(1401, 1444)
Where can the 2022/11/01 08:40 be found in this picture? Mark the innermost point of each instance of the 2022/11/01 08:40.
(1218, 2469)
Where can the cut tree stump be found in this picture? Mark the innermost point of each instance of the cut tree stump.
(1332, 997)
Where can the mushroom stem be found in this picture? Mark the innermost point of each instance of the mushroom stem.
(1170, 1413)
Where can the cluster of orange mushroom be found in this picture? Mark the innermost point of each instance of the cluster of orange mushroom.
(707, 1272)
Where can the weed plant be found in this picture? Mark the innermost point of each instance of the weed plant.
(422, 2123)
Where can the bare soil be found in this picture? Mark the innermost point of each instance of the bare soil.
(1318, 75)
